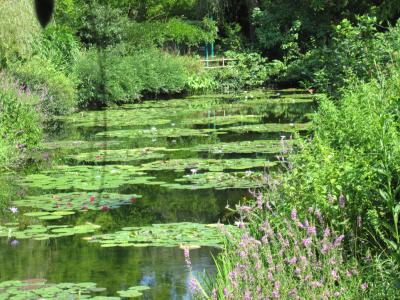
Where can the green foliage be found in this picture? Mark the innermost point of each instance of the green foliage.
(174, 32)
(355, 153)
(57, 90)
(59, 44)
(20, 128)
(19, 29)
(106, 77)
(100, 24)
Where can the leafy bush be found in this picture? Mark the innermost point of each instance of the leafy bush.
(107, 77)
(350, 170)
(59, 44)
(20, 127)
(41, 76)
(175, 32)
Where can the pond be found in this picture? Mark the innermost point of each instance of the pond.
(114, 196)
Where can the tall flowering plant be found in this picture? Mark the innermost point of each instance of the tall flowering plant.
(275, 256)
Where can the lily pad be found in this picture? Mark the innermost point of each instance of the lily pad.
(165, 235)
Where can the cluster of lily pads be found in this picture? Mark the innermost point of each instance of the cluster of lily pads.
(38, 289)
(67, 203)
(41, 232)
(219, 181)
(185, 235)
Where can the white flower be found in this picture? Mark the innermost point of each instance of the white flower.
(14, 210)
(194, 171)
(248, 173)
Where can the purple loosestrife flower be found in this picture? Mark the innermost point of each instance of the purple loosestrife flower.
(247, 295)
(334, 274)
(342, 201)
(307, 242)
(293, 260)
(338, 241)
(327, 232)
(364, 286)
(214, 295)
(275, 294)
(318, 213)
(311, 230)
(227, 294)
(310, 210)
(194, 286)
(316, 284)
(294, 214)
(186, 254)
(325, 249)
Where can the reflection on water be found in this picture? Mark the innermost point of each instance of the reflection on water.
(72, 259)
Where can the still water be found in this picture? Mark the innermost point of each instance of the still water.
(188, 160)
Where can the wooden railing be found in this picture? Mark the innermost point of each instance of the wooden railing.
(216, 63)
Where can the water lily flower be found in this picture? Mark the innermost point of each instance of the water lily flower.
(153, 128)
(14, 210)
(14, 243)
(133, 200)
(172, 124)
(194, 171)
(85, 207)
(92, 198)
(105, 208)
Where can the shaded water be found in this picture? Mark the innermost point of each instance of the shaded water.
(192, 189)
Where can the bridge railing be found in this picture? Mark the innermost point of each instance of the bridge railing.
(217, 63)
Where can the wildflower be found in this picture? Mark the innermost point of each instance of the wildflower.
(311, 230)
(247, 295)
(316, 284)
(270, 276)
(248, 173)
(226, 292)
(275, 294)
(14, 210)
(194, 286)
(293, 293)
(294, 214)
(214, 294)
(348, 273)
(318, 213)
(327, 232)
(307, 242)
(338, 240)
(342, 201)
(297, 271)
(334, 275)
(186, 254)
(364, 286)
(336, 294)
(14, 243)
(277, 285)
(325, 249)
(310, 210)
(92, 198)
(307, 277)
(293, 260)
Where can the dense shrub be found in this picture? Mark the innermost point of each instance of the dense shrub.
(57, 90)
(59, 45)
(350, 170)
(20, 126)
(106, 77)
